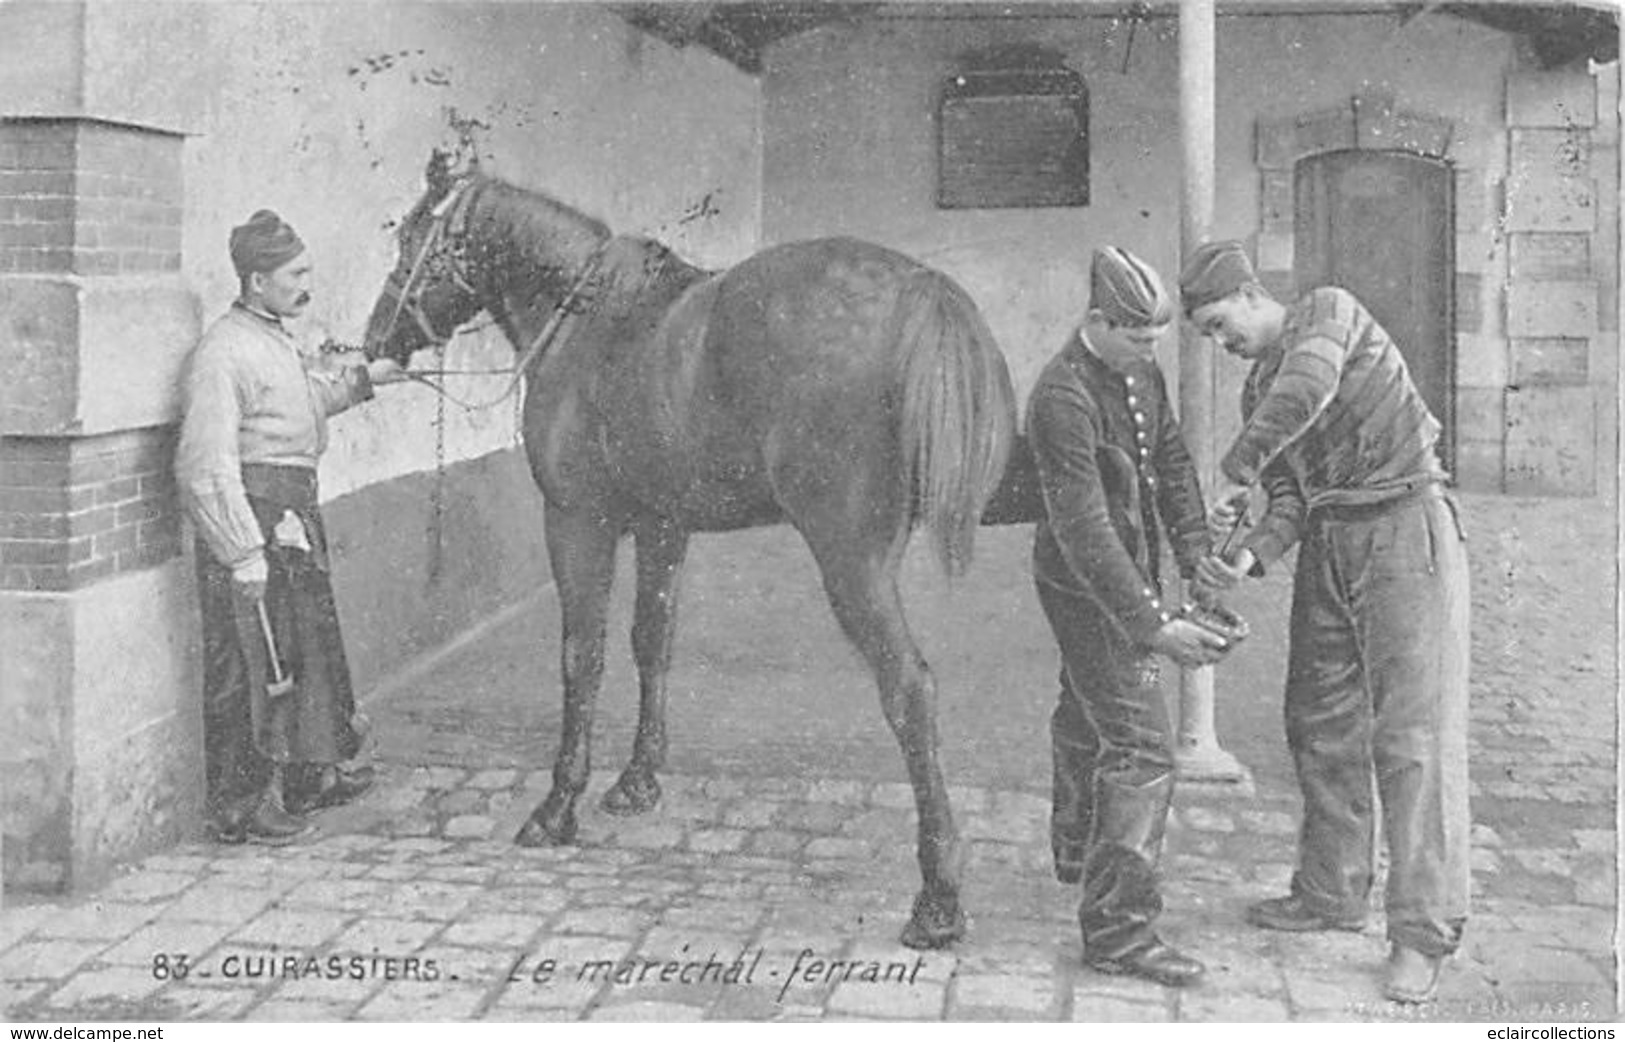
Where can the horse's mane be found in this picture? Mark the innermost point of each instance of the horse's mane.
(534, 226)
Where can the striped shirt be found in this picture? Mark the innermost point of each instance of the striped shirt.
(1332, 418)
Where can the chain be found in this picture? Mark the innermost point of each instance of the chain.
(437, 491)
(519, 415)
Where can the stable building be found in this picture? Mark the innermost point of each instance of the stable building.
(1455, 164)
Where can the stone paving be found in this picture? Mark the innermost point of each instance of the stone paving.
(429, 912)
(779, 890)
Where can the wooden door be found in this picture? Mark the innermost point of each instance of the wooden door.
(1382, 226)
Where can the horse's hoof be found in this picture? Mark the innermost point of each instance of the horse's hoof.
(936, 923)
(535, 833)
(632, 794)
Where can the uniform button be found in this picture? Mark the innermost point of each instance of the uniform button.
(1133, 401)
(1167, 618)
(1139, 418)
(1129, 380)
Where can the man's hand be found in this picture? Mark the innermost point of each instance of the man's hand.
(1189, 644)
(1214, 574)
(385, 371)
(1229, 506)
(250, 577)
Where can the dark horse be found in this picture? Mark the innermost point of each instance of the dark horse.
(835, 385)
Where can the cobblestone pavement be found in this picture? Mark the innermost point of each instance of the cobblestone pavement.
(778, 869)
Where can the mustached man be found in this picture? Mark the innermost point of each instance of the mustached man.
(277, 735)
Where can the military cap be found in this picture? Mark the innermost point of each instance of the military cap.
(1127, 290)
(1215, 270)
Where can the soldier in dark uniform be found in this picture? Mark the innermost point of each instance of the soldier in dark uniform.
(1376, 696)
(1115, 474)
(256, 402)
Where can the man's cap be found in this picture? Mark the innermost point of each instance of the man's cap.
(1127, 290)
(264, 243)
(1215, 270)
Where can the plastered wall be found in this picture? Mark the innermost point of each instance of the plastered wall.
(850, 146)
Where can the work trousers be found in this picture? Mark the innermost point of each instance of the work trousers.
(247, 731)
(1112, 737)
(1376, 714)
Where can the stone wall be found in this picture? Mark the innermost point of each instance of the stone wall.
(1536, 218)
(1558, 407)
(850, 113)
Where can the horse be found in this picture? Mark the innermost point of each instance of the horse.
(834, 385)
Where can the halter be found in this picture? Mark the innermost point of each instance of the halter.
(442, 213)
(451, 207)
(565, 310)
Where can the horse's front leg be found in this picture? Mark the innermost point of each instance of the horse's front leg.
(863, 592)
(661, 548)
(581, 548)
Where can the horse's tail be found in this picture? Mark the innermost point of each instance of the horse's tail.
(958, 411)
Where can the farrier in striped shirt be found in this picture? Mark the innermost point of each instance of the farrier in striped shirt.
(1378, 652)
(1332, 419)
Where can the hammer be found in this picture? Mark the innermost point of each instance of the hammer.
(280, 684)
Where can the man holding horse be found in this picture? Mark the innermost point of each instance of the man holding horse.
(1376, 700)
(279, 714)
(1114, 471)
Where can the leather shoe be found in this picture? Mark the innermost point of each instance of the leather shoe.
(263, 820)
(1290, 913)
(226, 828)
(1068, 860)
(343, 786)
(1155, 961)
(1413, 976)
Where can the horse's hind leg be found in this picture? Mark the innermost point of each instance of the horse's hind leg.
(863, 591)
(581, 548)
(661, 547)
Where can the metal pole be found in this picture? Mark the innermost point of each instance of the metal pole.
(1197, 753)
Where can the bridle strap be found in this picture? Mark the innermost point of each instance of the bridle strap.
(567, 309)
(443, 211)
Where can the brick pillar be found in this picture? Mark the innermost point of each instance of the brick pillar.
(98, 690)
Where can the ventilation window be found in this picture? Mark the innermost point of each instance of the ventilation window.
(1013, 131)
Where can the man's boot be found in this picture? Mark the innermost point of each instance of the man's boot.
(1121, 898)
(327, 785)
(1072, 795)
(1154, 961)
(268, 822)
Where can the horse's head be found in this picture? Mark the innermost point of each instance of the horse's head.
(431, 291)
